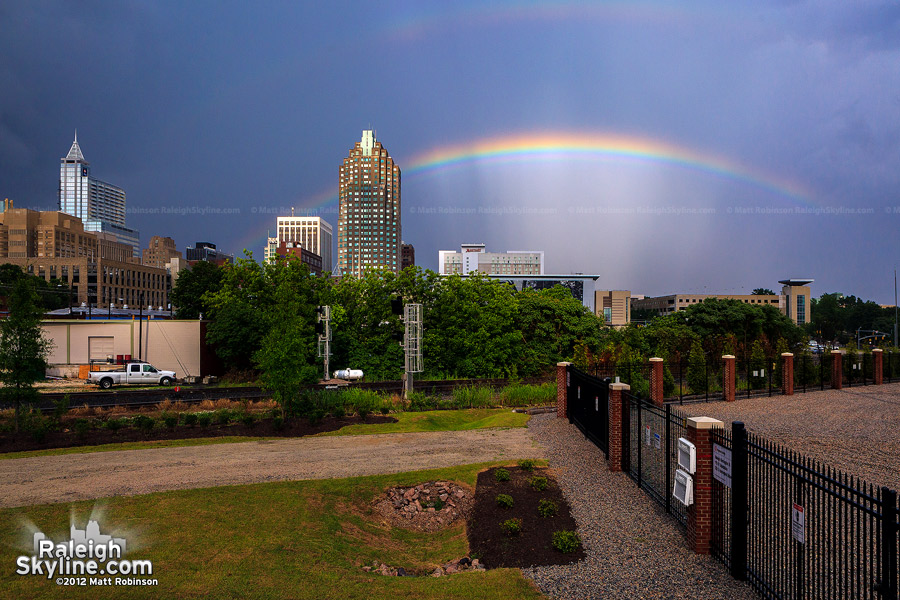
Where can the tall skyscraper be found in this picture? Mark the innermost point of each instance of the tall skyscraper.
(369, 220)
(99, 205)
(314, 234)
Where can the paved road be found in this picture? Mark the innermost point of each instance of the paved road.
(73, 477)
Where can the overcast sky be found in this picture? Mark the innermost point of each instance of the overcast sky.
(721, 146)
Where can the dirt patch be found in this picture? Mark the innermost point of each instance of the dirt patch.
(533, 546)
(67, 437)
(429, 506)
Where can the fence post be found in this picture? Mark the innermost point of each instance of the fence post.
(618, 404)
(562, 389)
(787, 374)
(887, 581)
(739, 501)
(877, 366)
(728, 383)
(656, 381)
(700, 512)
(837, 370)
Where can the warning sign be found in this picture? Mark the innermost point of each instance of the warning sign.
(722, 464)
(798, 524)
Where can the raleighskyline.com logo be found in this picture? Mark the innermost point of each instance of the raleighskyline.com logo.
(86, 558)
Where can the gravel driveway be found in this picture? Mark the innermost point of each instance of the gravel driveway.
(72, 477)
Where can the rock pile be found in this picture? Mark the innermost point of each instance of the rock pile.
(454, 566)
(428, 506)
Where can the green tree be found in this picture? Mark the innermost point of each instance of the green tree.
(757, 365)
(52, 294)
(762, 292)
(23, 348)
(697, 370)
(192, 287)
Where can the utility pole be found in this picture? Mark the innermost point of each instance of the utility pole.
(895, 308)
(323, 328)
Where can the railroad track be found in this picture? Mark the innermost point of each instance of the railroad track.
(195, 394)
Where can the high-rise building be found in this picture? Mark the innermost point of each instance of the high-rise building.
(314, 234)
(407, 255)
(206, 251)
(99, 205)
(369, 220)
(160, 251)
(473, 257)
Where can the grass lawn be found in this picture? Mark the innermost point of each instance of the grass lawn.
(437, 420)
(305, 539)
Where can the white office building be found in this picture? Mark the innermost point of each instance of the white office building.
(473, 257)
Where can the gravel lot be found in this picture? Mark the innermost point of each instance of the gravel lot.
(634, 550)
(854, 429)
(72, 477)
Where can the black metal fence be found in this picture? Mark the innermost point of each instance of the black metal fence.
(796, 529)
(687, 381)
(650, 439)
(587, 403)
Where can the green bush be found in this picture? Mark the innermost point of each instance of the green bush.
(223, 416)
(204, 419)
(190, 419)
(144, 423)
(60, 407)
(338, 412)
(547, 508)
(519, 394)
(114, 425)
(316, 416)
(538, 484)
(418, 401)
(473, 397)
(527, 464)
(501, 475)
(277, 423)
(170, 420)
(504, 501)
(248, 420)
(512, 526)
(566, 541)
(81, 427)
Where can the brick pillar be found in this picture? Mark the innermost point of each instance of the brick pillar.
(837, 369)
(700, 512)
(787, 374)
(562, 384)
(878, 375)
(656, 381)
(728, 381)
(618, 421)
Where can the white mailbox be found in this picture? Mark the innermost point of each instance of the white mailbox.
(687, 455)
(684, 488)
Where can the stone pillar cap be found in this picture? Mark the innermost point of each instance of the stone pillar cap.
(873, 350)
(705, 423)
(563, 364)
(656, 359)
(787, 353)
(728, 356)
(619, 386)
(836, 352)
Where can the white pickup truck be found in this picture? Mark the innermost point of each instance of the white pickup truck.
(135, 373)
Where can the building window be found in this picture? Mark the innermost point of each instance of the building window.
(801, 309)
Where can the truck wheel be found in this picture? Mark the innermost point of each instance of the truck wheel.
(165, 381)
(106, 383)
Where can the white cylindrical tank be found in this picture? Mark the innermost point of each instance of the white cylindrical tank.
(348, 374)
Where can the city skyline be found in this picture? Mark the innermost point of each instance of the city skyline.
(691, 148)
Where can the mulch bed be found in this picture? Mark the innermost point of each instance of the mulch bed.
(10, 442)
(534, 545)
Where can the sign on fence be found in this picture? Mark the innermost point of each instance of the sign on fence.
(722, 464)
(798, 524)
(657, 441)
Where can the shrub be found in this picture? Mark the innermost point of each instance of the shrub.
(566, 541)
(204, 419)
(170, 420)
(504, 501)
(144, 423)
(223, 416)
(277, 423)
(60, 407)
(538, 484)
(473, 397)
(501, 475)
(190, 419)
(81, 427)
(248, 420)
(547, 508)
(338, 412)
(114, 425)
(527, 464)
(512, 526)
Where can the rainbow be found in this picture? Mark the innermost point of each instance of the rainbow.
(555, 147)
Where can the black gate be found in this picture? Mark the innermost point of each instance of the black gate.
(587, 402)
